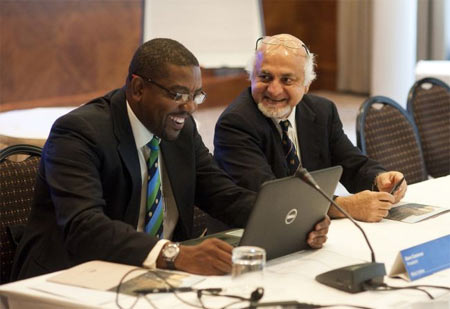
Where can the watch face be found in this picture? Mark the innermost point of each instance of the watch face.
(171, 251)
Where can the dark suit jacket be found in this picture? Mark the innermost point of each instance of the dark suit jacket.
(248, 147)
(89, 186)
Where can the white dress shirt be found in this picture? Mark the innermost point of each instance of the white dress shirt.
(292, 131)
(142, 137)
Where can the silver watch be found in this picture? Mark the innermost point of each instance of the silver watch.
(170, 253)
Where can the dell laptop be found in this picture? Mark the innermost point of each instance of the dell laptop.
(285, 211)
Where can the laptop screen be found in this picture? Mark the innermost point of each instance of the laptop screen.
(284, 213)
(286, 210)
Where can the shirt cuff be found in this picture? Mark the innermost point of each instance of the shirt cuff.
(150, 261)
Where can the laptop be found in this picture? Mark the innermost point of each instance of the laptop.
(284, 213)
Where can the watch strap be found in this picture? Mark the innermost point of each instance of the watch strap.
(170, 264)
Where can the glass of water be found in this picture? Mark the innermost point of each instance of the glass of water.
(246, 260)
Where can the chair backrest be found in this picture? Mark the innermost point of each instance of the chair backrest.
(429, 105)
(386, 133)
(17, 180)
(200, 222)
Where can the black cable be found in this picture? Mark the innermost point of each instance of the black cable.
(420, 287)
(188, 303)
(345, 305)
(210, 292)
(385, 287)
(231, 304)
(175, 292)
(150, 302)
(253, 301)
(433, 286)
(120, 285)
(299, 305)
(199, 297)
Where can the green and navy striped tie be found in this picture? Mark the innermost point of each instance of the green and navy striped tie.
(154, 208)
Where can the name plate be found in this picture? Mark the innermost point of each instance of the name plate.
(422, 260)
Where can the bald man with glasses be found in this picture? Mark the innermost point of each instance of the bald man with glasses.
(275, 126)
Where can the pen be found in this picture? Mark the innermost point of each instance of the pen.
(397, 185)
(162, 290)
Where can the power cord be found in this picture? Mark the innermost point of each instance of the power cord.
(298, 305)
(255, 296)
(372, 286)
(120, 285)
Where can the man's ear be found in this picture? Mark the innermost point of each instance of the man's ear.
(306, 88)
(137, 88)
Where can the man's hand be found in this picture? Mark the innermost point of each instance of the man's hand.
(386, 181)
(364, 206)
(318, 236)
(210, 257)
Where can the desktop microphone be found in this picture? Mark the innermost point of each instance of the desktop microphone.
(350, 278)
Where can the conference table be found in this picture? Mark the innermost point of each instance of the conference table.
(29, 126)
(290, 277)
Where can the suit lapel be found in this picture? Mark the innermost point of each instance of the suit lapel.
(127, 150)
(182, 180)
(273, 148)
(307, 132)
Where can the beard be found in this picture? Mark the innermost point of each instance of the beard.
(275, 112)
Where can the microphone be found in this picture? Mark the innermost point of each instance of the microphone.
(352, 278)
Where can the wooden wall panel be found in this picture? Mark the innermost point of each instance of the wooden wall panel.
(314, 22)
(65, 52)
(51, 50)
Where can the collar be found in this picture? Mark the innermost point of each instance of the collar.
(141, 134)
(291, 119)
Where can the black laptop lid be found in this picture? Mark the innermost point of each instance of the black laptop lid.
(286, 210)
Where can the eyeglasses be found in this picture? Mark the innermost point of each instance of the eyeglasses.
(180, 98)
(269, 40)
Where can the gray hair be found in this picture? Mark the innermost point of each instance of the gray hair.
(310, 63)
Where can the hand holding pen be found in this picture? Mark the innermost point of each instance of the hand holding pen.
(397, 186)
(386, 182)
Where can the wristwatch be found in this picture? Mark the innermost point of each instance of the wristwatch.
(170, 253)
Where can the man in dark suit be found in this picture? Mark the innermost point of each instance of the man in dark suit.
(95, 193)
(253, 142)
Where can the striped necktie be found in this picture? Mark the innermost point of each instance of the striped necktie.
(154, 208)
(289, 149)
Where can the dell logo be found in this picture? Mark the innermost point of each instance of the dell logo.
(290, 217)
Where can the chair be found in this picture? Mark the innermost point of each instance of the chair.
(200, 222)
(204, 224)
(429, 105)
(17, 180)
(387, 134)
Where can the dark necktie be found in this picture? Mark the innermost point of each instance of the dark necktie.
(289, 149)
(154, 209)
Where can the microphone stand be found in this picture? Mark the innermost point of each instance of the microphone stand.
(350, 278)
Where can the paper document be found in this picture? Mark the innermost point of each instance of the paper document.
(412, 212)
(105, 276)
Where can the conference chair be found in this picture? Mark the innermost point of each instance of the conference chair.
(17, 180)
(204, 224)
(386, 133)
(429, 105)
(200, 222)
